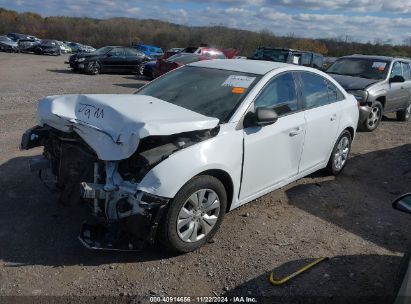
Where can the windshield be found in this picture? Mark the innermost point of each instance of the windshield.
(103, 50)
(3, 38)
(211, 92)
(271, 55)
(360, 67)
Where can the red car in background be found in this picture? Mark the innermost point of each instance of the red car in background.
(189, 55)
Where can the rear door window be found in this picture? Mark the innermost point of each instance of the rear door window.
(315, 90)
(334, 94)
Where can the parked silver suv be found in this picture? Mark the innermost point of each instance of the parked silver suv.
(380, 84)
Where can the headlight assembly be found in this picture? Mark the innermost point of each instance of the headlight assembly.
(81, 59)
(360, 95)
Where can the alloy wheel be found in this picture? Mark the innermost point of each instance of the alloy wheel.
(341, 153)
(198, 215)
(374, 117)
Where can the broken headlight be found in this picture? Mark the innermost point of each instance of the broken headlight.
(360, 95)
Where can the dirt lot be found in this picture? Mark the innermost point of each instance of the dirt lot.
(348, 218)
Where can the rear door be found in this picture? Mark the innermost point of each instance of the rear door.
(397, 93)
(114, 60)
(322, 115)
(406, 71)
(272, 153)
(133, 59)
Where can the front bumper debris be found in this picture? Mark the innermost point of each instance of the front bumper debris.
(102, 236)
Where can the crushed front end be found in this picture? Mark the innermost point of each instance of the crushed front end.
(125, 218)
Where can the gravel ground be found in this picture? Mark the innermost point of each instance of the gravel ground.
(348, 218)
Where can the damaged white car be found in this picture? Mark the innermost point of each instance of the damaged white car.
(168, 162)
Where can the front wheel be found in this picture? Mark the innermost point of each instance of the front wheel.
(93, 68)
(374, 118)
(404, 115)
(340, 153)
(194, 215)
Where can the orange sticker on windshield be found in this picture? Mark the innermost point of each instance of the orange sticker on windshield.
(238, 90)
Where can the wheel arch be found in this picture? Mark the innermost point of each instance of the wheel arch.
(226, 180)
(382, 100)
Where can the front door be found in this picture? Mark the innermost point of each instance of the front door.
(114, 60)
(272, 153)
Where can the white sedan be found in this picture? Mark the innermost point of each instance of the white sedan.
(168, 162)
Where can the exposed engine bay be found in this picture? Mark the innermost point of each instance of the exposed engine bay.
(125, 217)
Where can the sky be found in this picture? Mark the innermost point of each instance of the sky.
(360, 20)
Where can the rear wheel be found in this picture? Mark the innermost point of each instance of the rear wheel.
(404, 115)
(93, 68)
(194, 215)
(141, 69)
(373, 119)
(340, 153)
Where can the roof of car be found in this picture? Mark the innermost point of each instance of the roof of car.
(374, 57)
(260, 67)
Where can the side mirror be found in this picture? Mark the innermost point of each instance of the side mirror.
(265, 116)
(109, 55)
(397, 79)
(403, 203)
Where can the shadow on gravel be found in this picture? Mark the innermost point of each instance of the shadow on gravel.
(35, 229)
(359, 200)
(342, 279)
(61, 71)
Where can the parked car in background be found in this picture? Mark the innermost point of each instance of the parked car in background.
(47, 47)
(16, 37)
(168, 162)
(207, 52)
(8, 45)
(27, 45)
(108, 59)
(65, 49)
(147, 69)
(163, 66)
(150, 50)
(292, 56)
(380, 84)
(88, 49)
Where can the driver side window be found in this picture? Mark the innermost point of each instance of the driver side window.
(279, 95)
(396, 70)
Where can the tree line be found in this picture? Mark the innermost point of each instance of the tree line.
(126, 31)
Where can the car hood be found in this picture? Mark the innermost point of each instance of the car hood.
(353, 83)
(112, 125)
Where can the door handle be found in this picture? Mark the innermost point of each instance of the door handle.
(296, 132)
(333, 117)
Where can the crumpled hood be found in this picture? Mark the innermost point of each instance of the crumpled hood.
(353, 83)
(112, 124)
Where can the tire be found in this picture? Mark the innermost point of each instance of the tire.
(141, 69)
(93, 68)
(372, 122)
(181, 238)
(339, 155)
(405, 114)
